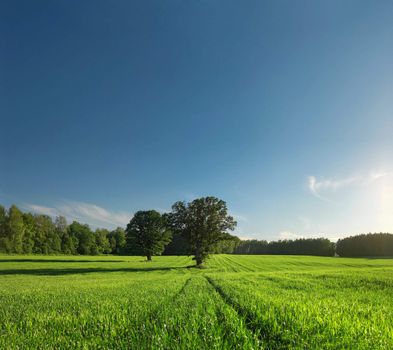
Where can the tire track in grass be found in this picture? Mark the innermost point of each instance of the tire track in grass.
(186, 283)
(244, 268)
(262, 331)
(153, 314)
(226, 265)
(215, 319)
(146, 327)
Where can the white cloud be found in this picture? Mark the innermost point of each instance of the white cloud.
(320, 187)
(377, 175)
(367, 205)
(39, 209)
(84, 212)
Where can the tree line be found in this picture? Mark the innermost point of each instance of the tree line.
(302, 246)
(27, 233)
(371, 244)
(201, 226)
(198, 228)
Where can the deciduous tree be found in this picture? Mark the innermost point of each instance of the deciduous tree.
(204, 223)
(102, 241)
(148, 232)
(15, 229)
(117, 240)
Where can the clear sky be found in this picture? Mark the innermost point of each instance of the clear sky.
(284, 109)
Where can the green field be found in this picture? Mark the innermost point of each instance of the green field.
(237, 302)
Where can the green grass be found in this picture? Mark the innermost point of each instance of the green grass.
(238, 302)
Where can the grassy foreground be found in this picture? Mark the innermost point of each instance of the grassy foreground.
(237, 302)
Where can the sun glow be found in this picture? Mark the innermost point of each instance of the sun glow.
(385, 214)
(377, 204)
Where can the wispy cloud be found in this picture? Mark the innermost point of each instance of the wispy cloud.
(42, 210)
(318, 186)
(377, 175)
(84, 212)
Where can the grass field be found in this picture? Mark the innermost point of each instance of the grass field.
(237, 302)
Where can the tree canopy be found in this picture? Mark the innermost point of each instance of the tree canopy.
(301, 246)
(148, 232)
(27, 233)
(204, 223)
(372, 244)
(198, 228)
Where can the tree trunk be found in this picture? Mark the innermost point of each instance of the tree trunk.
(198, 256)
(199, 261)
(148, 257)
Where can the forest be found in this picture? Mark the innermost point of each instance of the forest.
(302, 246)
(28, 233)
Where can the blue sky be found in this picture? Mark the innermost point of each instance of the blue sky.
(282, 108)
